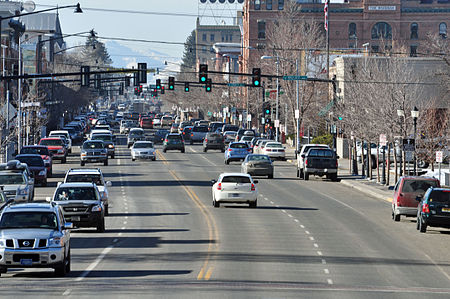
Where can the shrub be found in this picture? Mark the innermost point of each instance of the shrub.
(324, 139)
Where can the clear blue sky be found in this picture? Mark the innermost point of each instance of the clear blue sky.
(133, 25)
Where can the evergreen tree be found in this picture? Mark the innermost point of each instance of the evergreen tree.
(189, 57)
(95, 51)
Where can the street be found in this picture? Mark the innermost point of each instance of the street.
(312, 239)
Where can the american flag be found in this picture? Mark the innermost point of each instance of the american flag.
(325, 10)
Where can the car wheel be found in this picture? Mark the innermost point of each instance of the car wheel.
(422, 164)
(164, 150)
(112, 156)
(252, 204)
(182, 151)
(222, 150)
(298, 173)
(106, 210)
(64, 160)
(333, 177)
(191, 142)
(3, 270)
(270, 176)
(133, 159)
(60, 270)
(422, 226)
(227, 162)
(417, 222)
(396, 216)
(68, 264)
(301, 174)
(50, 174)
(306, 176)
(101, 226)
(205, 149)
(154, 158)
(216, 204)
(82, 163)
(105, 163)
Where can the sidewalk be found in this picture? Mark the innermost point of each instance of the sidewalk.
(358, 182)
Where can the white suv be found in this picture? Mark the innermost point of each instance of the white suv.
(91, 175)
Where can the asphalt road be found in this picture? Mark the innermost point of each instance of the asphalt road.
(313, 239)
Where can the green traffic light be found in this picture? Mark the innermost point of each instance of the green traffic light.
(186, 89)
(208, 88)
(340, 118)
(267, 111)
(171, 87)
(203, 79)
(256, 83)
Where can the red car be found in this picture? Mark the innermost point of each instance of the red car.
(56, 147)
(407, 189)
(45, 154)
(146, 123)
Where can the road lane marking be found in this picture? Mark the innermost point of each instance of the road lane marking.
(326, 271)
(296, 220)
(208, 274)
(316, 245)
(311, 238)
(67, 292)
(119, 234)
(290, 216)
(329, 281)
(319, 252)
(95, 263)
(284, 211)
(307, 232)
(115, 240)
(302, 226)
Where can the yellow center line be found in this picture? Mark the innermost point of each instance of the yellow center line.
(212, 227)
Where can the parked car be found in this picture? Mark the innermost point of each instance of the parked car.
(234, 188)
(406, 190)
(236, 151)
(258, 165)
(16, 181)
(81, 204)
(434, 209)
(143, 150)
(34, 236)
(93, 151)
(91, 175)
(37, 167)
(321, 162)
(301, 156)
(159, 136)
(198, 133)
(45, 154)
(56, 147)
(173, 141)
(213, 141)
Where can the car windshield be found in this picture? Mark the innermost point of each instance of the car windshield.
(238, 145)
(75, 193)
(440, 196)
(51, 142)
(93, 145)
(275, 145)
(85, 178)
(102, 137)
(34, 219)
(34, 150)
(12, 179)
(258, 158)
(32, 161)
(236, 179)
(143, 145)
(418, 185)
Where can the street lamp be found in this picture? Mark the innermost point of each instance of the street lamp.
(277, 102)
(401, 113)
(415, 116)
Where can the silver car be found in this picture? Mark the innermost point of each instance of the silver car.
(93, 151)
(143, 150)
(258, 165)
(34, 236)
(16, 181)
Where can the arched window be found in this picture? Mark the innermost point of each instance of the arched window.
(382, 30)
(352, 31)
(443, 30)
(414, 31)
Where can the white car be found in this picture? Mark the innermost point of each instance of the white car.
(143, 150)
(234, 188)
(229, 136)
(274, 150)
(156, 122)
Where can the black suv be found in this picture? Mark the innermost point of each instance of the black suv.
(434, 209)
(173, 141)
(213, 141)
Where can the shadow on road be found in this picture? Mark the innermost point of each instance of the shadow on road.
(168, 183)
(268, 208)
(145, 214)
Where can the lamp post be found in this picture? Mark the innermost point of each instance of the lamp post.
(401, 113)
(415, 116)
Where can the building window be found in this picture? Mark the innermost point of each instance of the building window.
(352, 31)
(204, 49)
(212, 37)
(413, 51)
(414, 31)
(443, 30)
(280, 4)
(231, 38)
(204, 37)
(382, 30)
(269, 4)
(375, 49)
(257, 4)
(261, 29)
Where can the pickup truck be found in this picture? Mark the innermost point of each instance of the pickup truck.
(321, 162)
(301, 156)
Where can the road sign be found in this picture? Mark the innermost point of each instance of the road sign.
(409, 144)
(297, 114)
(263, 121)
(439, 156)
(236, 84)
(240, 117)
(249, 117)
(294, 78)
(277, 123)
(409, 157)
(383, 140)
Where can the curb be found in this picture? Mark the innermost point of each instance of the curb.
(366, 191)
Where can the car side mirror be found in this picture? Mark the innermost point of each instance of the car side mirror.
(255, 181)
(337, 157)
(108, 184)
(419, 198)
(68, 225)
(213, 182)
(391, 188)
(303, 155)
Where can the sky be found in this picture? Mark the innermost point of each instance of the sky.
(158, 20)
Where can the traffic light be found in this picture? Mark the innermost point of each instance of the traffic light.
(136, 91)
(127, 81)
(163, 90)
(158, 83)
(186, 86)
(203, 74)
(142, 74)
(208, 86)
(256, 77)
(140, 89)
(171, 83)
(85, 73)
(266, 108)
(98, 82)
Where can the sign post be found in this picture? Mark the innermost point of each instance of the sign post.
(383, 142)
(439, 159)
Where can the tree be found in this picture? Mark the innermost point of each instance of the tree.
(95, 52)
(189, 55)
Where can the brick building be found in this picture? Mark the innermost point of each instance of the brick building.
(352, 23)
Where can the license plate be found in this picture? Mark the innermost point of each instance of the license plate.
(75, 218)
(445, 209)
(26, 262)
(235, 195)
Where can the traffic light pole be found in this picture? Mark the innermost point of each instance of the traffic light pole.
(277, 120)
(297, 144)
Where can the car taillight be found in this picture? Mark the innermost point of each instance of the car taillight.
(249, 149)
(306, 162)
(229, 149)
(281, 150)
(425, 208)
(219, 186)
(192, 134)
(206, 140)
(336, 164)
(184, 133)
(253, 187)
(166, 140)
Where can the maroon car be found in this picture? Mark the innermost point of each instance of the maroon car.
(36, 165)
(45, 154)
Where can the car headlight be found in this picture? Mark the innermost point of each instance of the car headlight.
(42, 172)
(97, 208)
(60, 151)
(2, 243)
(111, 145)
(23, 192)
(55, 242)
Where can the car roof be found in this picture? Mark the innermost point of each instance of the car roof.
(419, 178)
(84, 171)
(34, 146)
(51, 138)
(59, 131)
(28, 155)
(77, 184)
(234, 174)
(26, 207)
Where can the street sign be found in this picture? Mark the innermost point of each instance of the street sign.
(383, 140)
(249, 117)
(409, 144)
(240, 117)
(294, 78)
(263, 121)
(236, 84)
(409, 157)
(277, 123)
(297, 114)
(439, 156)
